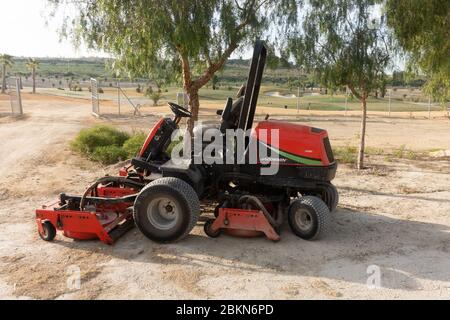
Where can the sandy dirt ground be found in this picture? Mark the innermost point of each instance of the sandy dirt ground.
(393, 217)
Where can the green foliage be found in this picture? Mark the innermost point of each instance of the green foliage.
(403, 152)
(133, 145)
(156, 96)
(344, 44)
(109, 154)
(6, 60)
(422, 30)
(374, 151)
(346, 154)
(107, 145)
(99, 136)
(32, 64)
(173, 40)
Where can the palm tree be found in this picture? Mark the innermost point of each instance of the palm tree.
(6, 61)
(33, 64)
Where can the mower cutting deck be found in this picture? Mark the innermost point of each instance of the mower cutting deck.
(104, 212)
(162, 197)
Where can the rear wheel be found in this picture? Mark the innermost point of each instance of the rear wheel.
(309, 217)
(167, 210)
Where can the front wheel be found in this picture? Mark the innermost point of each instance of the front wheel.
(48, 232)
(167, 210)
(208, 229)
(309, 217)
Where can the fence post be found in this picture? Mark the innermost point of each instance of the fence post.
(429, 107)
(346, 100)
(118, 95)
(390, 102)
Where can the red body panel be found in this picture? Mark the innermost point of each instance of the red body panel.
(150, 137)
(248, 220)
(296, 140)
(85, 225)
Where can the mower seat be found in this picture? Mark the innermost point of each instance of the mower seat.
(230, 114)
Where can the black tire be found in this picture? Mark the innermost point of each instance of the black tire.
(333, 198)
(209, 232)
(49, 232)
(172, 222)
(309, 217)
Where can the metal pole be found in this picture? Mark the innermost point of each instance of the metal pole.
(19, 96)
(346, 100)
(298, 101)
(390, 92)
(118, 95)
(429, 107)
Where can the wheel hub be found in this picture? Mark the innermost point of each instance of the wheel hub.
(163, 213)
(303, 219)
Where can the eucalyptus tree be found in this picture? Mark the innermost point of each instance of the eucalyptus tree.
(6, 61)
(422, 28)
(345, 43)
(186, 40)
(33, 64)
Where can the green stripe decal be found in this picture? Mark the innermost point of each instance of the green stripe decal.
(293, 157)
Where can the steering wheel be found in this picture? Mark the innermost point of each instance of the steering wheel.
(180, 111)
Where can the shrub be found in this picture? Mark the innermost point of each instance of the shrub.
(100, 90)
(133, 145)
(109, 154)
(172, 145)
(155, 96)
(346, 154)
(403, 152)
(99, 136)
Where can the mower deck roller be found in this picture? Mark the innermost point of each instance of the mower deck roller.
(162, 197)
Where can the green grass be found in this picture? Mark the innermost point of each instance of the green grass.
(346, 154)
(404, 153)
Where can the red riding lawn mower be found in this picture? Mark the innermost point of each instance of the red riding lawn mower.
(163, 198)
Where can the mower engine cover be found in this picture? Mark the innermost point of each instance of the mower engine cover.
(298, 145)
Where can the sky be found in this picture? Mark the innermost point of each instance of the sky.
(25, 33)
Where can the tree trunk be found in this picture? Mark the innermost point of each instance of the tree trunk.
(4, 79)
(194, 105)
(362, 143)
(34, 80)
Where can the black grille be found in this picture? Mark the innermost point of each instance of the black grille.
(327, 145)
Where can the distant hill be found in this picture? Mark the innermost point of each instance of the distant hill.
(234, 73)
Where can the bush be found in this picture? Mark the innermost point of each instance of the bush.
(156, 97)
(99, 136)
(346, 154)
(133, 145)
(403, 152)
(109, 154)
(107, 145)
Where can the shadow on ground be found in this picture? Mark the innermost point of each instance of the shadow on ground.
(402, 249)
